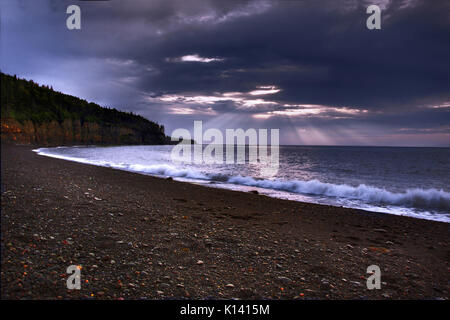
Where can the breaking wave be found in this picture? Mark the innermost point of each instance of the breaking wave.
(418, 198)
(431, 199)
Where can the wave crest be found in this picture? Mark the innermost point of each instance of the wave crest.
(416, 198)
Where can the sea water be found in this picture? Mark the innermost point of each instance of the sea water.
(413, 182)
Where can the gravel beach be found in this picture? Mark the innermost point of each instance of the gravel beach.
(142, 237)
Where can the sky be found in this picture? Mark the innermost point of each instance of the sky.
(310, 68)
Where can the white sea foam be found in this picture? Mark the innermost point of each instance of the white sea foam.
(167, 170)
(427, 199)
(419, 198)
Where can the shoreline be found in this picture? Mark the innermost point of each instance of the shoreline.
(140, 236)
(283, 193)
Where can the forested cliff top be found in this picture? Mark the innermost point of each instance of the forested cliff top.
(37, 114)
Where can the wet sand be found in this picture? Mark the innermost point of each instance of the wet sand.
(138, 236)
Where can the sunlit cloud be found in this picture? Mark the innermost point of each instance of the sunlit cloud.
(232, 94)
(194, 58)
(256, 102)
(191, 111)
(311, 110)
(256, 108)
(264, 90)
(198, 99)
(439, 106)
(239, 99)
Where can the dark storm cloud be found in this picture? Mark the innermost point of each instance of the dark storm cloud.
(318, 57)
(331, 71)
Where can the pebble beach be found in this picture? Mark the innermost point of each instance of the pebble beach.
(136, 236)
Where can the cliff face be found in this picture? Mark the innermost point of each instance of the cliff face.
(71, 132)
(34, 114)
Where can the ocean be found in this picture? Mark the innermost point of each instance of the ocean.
(405, 181)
